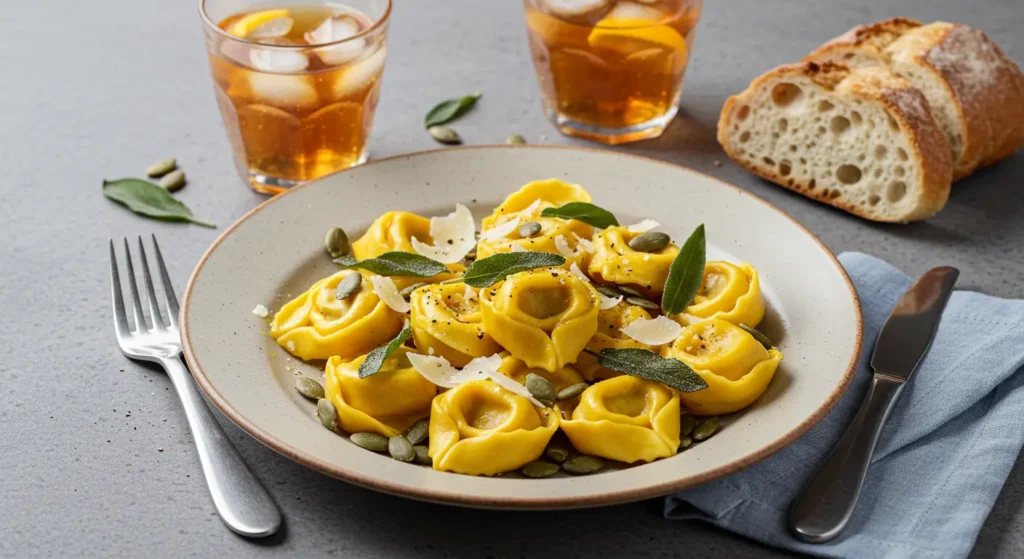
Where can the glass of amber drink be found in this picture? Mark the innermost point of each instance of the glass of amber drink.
(297, 83)
(611, 70)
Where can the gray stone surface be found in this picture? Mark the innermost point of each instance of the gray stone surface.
(94, 457)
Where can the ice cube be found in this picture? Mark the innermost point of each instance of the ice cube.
(631, 10)
(359, 75)
(573, 8)
(281, 61)
(277, 27)
(282, 90)
(336, 29)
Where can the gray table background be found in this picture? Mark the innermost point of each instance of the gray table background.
(94, 457)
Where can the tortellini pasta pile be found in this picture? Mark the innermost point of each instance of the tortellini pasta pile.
(491, 370)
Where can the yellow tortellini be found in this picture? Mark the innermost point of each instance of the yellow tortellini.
(609, 335)
(448, 323)
(730, 292)
(317, 325)
(387, 402)
(627, 419)
(517, 370)
(480, 428)
(551, 193)
(736, 367)
(392, 231)
(614, 262)
(544, 317)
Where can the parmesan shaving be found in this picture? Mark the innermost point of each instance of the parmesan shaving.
(563, 247)
(514, 387)
(469, 294)
(644, 226)
(440, 372)
(385, 288)
(658, 331)
(586, 244)
(516, 247)
(528, 211)
(501, 231)
(606, 302)
(454, 236)
(261, 311)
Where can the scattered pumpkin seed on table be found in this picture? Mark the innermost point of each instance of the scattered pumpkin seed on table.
(309, 388)
(444, 134)
(370, 441)
(540, 388)
(539, 469)
(336, 243)
(686, 425)
(651, 241)
(556, 454)
(418, 432)
(758, 335)
(422, 455)
(641, 302)
(401, 449)
(173, 181)
(706, 428)
(570, 392)
(529, 229)
(583, 465)
(162, 167)
(515, 139)
(327, 414)
(348, 286)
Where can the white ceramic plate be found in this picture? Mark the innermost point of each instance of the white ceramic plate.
(276, 251)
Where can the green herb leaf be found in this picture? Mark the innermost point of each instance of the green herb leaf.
(396, 264)
(449, 110)
(375, 359)
(646, 364)
(149, 199)
(585, 212)
(489, 271)
(686, 273)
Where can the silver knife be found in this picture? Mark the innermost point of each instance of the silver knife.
(825, 506)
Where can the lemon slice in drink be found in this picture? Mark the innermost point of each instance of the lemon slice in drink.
(263, 25)
(626, 36)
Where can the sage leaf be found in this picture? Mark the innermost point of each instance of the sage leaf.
(489, 271)
(686, 273)
(450, 109)
(375, 359)
(646, 364)
(150, 200)
(404, 264)
(583, 211)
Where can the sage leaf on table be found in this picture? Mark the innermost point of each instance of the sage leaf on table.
(489, 271)
(450, 109)
(150, 200)
(396, 263)
(686, 273)
(583, 211)
(376, 358)
(646, 364)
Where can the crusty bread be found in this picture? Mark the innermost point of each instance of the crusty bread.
(862, 140)
(975, 92)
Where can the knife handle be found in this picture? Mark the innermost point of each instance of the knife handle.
(826, 504)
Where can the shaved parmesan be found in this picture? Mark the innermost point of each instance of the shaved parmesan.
(440, 372)
(644, 226)
(454, 236)
(385, 288)
(658, 331)
(606, 302)
(501, 231)
(516, 247)
(515, 388)
(470, 294)
(563, 247)
(261, 311)
(586, 244)
(528, 211)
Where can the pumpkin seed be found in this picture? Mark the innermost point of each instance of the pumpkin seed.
(162, 167)
(327, 414)
(173, 181)
(540, 469)
(336, 243)
(685, 443)
(370, 441)
(760, 337)
(570, 392)
(556, 454)
(309, 388)
(629, 290)
(422, 455)
(641, 302)
(406, 292)
(686, 425)
(651, 241)
(607, 290)
(706, 428)
(582, 465)
(540, 388)
(515, 139)
(418, 432)
(348, 286)
(401, 449)
(529, 229)
(444, 134)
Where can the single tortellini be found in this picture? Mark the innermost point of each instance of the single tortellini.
(543, 317)
(730, 292)
(609, 335)
(393, 231)
(517, 370)
(550, 193)
(480, 428)
(736, 367)
(387, 402)
(446, 320)
(627, 419)
(614, 262)
(318, 325)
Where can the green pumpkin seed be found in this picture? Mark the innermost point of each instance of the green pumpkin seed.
(401, 449)
(761, 338)
(529, 229)
(336, 243)
(422, 455)
(540, 469)
(641, 302)
(406, 292)
(173, 181)
(515, 139)
(706, 428)
(162, 167)
(444, 134)
(685, 443)
(327, 414)
(418, 432)
(556, 454)
(651, 241)
(686, 425)
(541, 388)
(607, 290)
(570, 392)
(370, 441)
(348, 286)
(582, 465)
(309, 388)
(631, 291)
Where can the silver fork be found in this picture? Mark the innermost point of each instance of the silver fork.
(241, 500)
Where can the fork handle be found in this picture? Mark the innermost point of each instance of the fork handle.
(240, 499)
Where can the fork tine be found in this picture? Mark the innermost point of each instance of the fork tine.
(140, 319)
(120, 318)
(171, 298)
(154, 308)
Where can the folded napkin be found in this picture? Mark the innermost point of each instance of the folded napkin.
(943, 456)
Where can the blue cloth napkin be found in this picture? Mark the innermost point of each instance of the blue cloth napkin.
(943, 456)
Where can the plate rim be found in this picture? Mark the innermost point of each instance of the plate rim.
(337, 471)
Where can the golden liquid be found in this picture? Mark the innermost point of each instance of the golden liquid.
(612, 72)
(302, 124)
